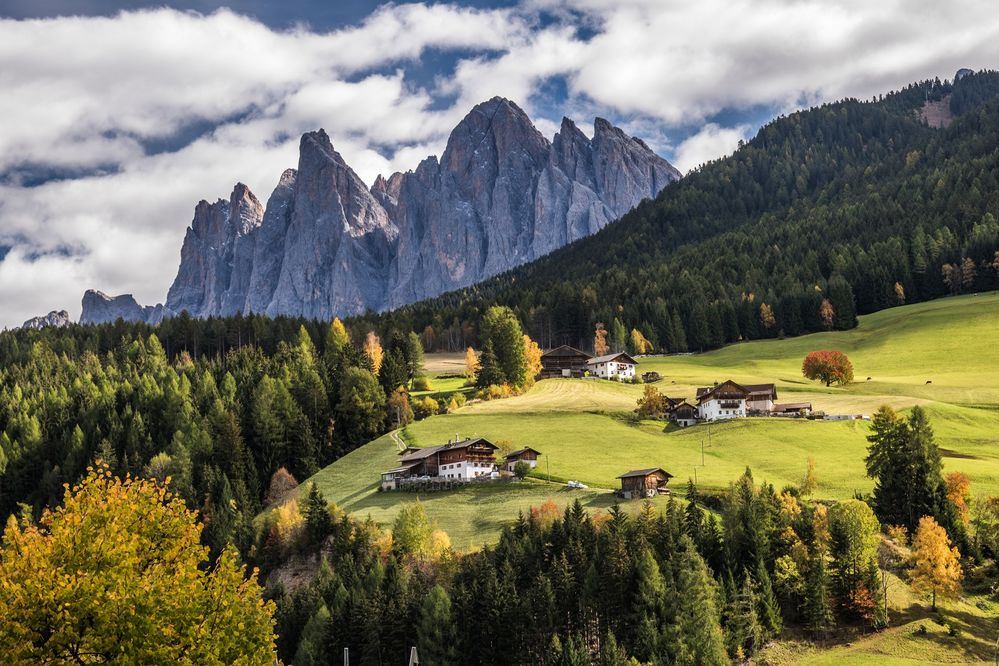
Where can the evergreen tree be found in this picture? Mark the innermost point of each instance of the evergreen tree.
(743, 630)
(312, 645)
(489, 369)
(817, 609)
(699, 617)
(769, 612)
(318, 523)
(435, 635)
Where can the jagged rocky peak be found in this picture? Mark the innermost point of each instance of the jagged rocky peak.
(327, 245)
(54, 319)
(217, 247)
(99, 308)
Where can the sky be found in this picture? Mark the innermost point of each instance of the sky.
(116, 118)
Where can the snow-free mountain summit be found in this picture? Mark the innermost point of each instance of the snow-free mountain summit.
(326, 245)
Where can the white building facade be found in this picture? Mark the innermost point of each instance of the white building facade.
(466, 470)
(620, 365)
(723, 401)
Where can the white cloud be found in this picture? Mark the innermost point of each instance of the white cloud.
(92, 93)
(711, 142)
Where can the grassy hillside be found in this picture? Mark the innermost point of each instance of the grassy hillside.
(585, 431)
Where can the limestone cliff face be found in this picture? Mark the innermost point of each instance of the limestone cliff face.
(325, 245)
(54, 319)
(216, 258)
(99, 308)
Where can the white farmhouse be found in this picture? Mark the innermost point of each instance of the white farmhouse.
(609, 365)
(722, 401)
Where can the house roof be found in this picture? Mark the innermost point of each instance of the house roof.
(514, 454)
(401, 468)
(644, 472)
(564, 350)
(423, 454)
(789, 406)
(677, 404)
(761, 389)
(705, 393)
(610, 357)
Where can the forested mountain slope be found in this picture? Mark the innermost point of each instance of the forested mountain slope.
(857, 203)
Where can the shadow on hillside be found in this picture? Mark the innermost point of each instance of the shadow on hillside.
(975, 640)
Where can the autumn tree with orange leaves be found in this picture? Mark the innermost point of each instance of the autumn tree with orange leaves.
(828, 366)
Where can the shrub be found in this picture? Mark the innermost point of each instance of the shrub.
(424, 407)
(422, 383)
(521, 469)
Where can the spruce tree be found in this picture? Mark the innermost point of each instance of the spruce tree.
(489, 370)
(312, 645)
(699, 619)
(817, 609)
(770, 617)
(317, 516)
(744, 633)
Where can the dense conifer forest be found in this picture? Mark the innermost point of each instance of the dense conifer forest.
(856, 204)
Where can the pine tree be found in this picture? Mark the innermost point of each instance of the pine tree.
(318, 523)
(817, 607)
(648, 605)
(698, 616)
(770, 617)
(744, 633)
(312, 645)
(489, 371)
(436, 634)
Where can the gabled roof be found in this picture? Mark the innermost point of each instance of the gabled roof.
(644, 472)
(677, 404)
(764, 389)
(514, 454)
(705, 393)
(788, 406)
(564, 350)
(401, 468)
(423, 454)
(610, 357)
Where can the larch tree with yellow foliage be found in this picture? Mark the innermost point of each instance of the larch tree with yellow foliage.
(118, 575)
(471, 363)
(936, 566)
(373, 348)
(532, 358)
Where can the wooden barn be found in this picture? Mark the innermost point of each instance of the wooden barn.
(564, 361)
(641, 483)
(527, 454)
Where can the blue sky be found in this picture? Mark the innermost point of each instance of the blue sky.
(117, 117)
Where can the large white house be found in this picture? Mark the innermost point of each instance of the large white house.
(722, 401)
(729, 400)
(609, 365)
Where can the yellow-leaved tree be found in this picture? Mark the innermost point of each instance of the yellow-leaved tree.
(117, 575)
(373, 348)
(936, 566)
(532, 359)
(471, 363)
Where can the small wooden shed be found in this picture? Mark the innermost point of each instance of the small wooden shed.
(644, 483)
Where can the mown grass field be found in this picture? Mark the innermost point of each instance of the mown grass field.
(585, 430)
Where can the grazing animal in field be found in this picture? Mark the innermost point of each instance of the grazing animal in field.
(929, 381)
(868, 379)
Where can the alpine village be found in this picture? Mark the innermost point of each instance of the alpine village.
(543, 399)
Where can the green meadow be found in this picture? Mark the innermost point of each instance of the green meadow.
(943, 355)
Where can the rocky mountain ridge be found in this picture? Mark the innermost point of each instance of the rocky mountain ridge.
(326, 245)
(55, 319)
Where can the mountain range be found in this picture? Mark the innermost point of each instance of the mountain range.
(326, 245)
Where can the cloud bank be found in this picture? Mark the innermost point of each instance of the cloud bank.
(111, 129)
